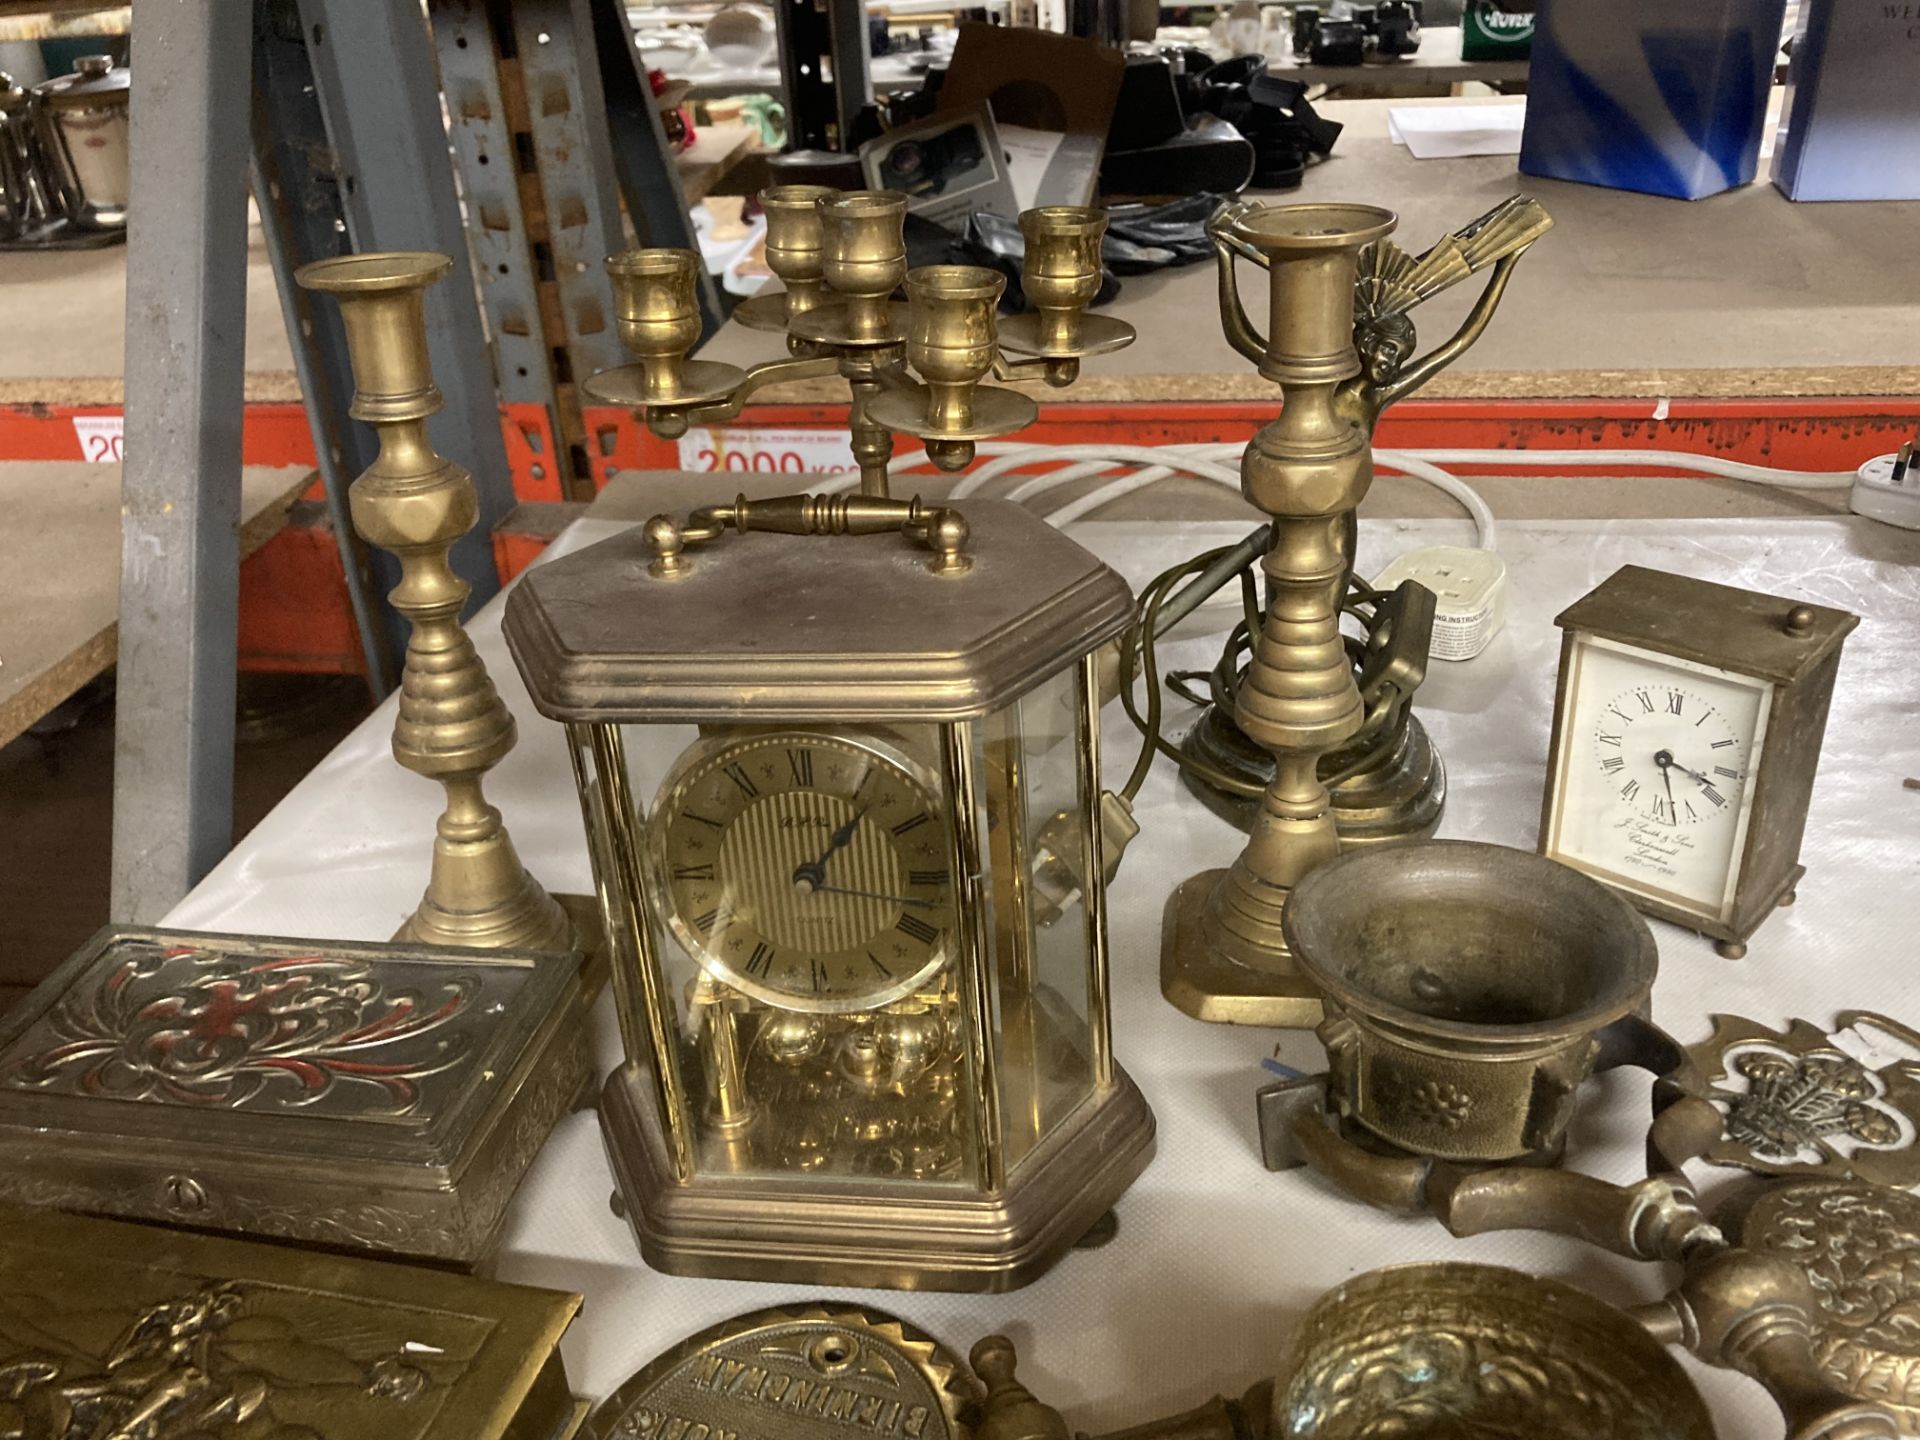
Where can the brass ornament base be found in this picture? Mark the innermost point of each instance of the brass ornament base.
(793, 1229)
(1210, 985)
(802, 1374)
(702, 382)
(995, 412)
(1797, 1104)
(1398, 799)
(1099, 335)
(831, 324)
(586, 933)
(1859, 1245)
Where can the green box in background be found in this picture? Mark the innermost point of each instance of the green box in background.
(1489, 31)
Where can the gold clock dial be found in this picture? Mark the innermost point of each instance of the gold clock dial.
(809, 871)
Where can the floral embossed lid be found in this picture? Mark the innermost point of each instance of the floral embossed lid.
(345, 1093)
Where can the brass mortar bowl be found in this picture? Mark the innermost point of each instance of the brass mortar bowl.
(1466, 989)
(1449, 1349)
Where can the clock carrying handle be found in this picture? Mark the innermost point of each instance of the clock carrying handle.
(941, 530)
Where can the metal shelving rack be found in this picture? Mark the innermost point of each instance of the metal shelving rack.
(333, 110)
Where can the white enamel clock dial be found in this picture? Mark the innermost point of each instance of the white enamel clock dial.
(1654, 773)
(806, 870)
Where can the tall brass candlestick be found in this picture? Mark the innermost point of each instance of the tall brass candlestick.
(1223, 956)
(415, 503)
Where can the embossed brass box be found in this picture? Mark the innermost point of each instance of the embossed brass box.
(376, 1097)
(843, 803)
(114, 1330)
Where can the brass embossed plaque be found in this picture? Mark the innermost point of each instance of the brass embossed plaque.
(803, 1374)
(1860, 1246)
(384, 1097)
(1796, 1103)
(139, 1333)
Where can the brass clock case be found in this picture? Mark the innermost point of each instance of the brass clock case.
(1789, 650)
(891, 1064)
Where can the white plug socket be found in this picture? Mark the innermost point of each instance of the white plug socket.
(1877, 496)
(1470, 587)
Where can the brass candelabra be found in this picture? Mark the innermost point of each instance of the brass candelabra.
(911, 369)
(1340, 345)
(453, 727)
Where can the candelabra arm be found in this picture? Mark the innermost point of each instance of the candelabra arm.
(1025, 368)
(1418, 372)
(759, 377)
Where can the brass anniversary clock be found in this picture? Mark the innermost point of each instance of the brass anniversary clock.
(1685, 739)
(843, 802)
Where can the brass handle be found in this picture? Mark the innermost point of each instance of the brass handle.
(941, 530)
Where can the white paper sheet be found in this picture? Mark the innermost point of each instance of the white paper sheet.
(1215, 1257)
(1441, 132)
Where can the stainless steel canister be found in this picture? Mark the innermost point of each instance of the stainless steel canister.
(83, 133)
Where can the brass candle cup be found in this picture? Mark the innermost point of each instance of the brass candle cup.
(1310, 251)
(657, 313)
(656, 309)
(795, 255)
(863, 260)
(1466, 989)
(1480, 1350)
(1060, 276)
(951, 340)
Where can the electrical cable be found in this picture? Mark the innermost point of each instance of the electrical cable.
(1196, 580)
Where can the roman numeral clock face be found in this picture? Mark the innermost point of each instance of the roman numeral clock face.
(806, 870)
(1654, 774)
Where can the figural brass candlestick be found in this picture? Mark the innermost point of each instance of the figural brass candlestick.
(414, 503)
(1335, 280)
(841, 257)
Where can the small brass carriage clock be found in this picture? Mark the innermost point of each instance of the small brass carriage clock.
(1685, 738)
(843, 803)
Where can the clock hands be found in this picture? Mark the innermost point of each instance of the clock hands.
(813, 874)
(875, 895)
(1664, 759)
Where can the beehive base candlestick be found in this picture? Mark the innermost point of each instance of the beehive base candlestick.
(414, 503)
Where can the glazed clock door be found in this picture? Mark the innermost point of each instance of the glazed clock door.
(1654, 773)
(803, 881)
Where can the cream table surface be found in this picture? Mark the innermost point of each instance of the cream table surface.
(1215, 1256)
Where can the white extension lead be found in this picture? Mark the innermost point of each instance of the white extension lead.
(1469, 583)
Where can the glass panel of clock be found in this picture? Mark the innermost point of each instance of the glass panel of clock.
(803, 902)
(1036, 838)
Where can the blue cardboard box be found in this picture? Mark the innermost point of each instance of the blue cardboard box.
(1664, 96)
(1850, 128)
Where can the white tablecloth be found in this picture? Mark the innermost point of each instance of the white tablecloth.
(1215, 1256)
